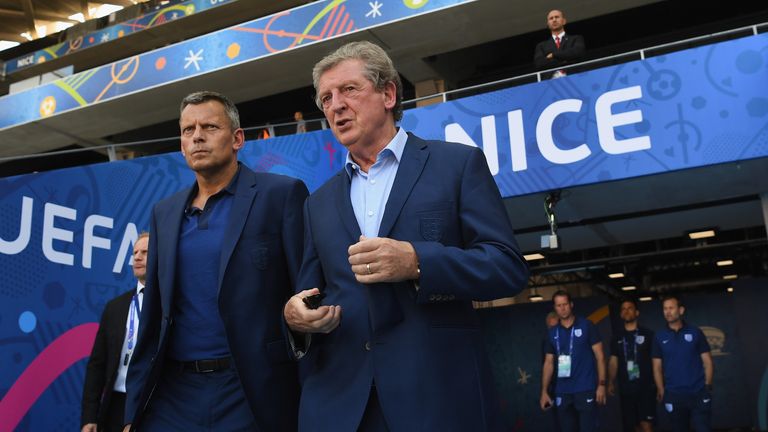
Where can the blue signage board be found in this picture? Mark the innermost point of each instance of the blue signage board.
(307, 24)
(691, 108)
(150, 19)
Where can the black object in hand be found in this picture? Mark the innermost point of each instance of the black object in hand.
(313, 301)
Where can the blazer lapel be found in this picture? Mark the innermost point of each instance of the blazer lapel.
(171, 223)
(238, 215)
(412, 163)
(344, 205)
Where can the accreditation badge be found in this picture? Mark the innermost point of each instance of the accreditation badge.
(633, 370)
(563, 366)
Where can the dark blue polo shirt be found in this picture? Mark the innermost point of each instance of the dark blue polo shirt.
(198, 331)
(635, 346)
(583, 370)
(680, 353)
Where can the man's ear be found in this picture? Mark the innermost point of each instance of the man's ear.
(239, 139)
(390, 95)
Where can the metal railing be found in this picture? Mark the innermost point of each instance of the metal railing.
(271, 128)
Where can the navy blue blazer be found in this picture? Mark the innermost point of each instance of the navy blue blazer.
(260, 259)
(422, 348)
(101, 371)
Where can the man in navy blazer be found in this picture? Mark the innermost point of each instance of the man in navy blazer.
(560, 48)
(400, 241)
(223, 260)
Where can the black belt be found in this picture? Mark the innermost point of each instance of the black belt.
(202, 366)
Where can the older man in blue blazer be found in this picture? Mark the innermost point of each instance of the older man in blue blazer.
(400, 242)
(223, 260)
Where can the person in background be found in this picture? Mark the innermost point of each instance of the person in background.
(103, 404)
(301, 124)
(683, 370)
(560, 48)
(579, 371)
(630, 361)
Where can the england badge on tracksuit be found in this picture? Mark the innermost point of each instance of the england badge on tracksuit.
(577, 332)
(688, 337)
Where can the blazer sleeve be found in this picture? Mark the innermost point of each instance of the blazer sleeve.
(95, 374)
(540, 56)
(293, 243)
(292, 231)
(488, 265)
(311, 275)
(148, 334)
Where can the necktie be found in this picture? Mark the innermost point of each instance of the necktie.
(557, 42)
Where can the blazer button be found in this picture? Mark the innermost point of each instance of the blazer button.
(367, 345)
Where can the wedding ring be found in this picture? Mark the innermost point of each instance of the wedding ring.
(368, 266)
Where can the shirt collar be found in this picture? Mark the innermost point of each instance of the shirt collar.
(230, 189)
(139, 287)
(683, 327)
(575, 321)
(561, 35)
(395, 147)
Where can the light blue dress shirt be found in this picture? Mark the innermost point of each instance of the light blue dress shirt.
(369, 191)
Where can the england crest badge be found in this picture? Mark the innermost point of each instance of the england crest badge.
(577, 332)
(688, 337)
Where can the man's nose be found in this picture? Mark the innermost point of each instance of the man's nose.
(338, 101)
(198, 133)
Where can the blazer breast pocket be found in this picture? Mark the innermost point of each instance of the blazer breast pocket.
(433, 220)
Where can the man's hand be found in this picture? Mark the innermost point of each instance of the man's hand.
(660, 394)
(381, 259)
(549, 56)
(127, 428)
(302, 319)
(611, 389)
(89, 427)
(600, 394)
(545, 401)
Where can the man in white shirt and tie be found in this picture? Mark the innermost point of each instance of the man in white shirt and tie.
(560, 48)
(104, 388)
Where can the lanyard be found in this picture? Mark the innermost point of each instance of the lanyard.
(634, 345)
(557, 340)
(134, 313)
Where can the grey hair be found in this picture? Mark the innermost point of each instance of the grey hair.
(200, 97)
(379, 69)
